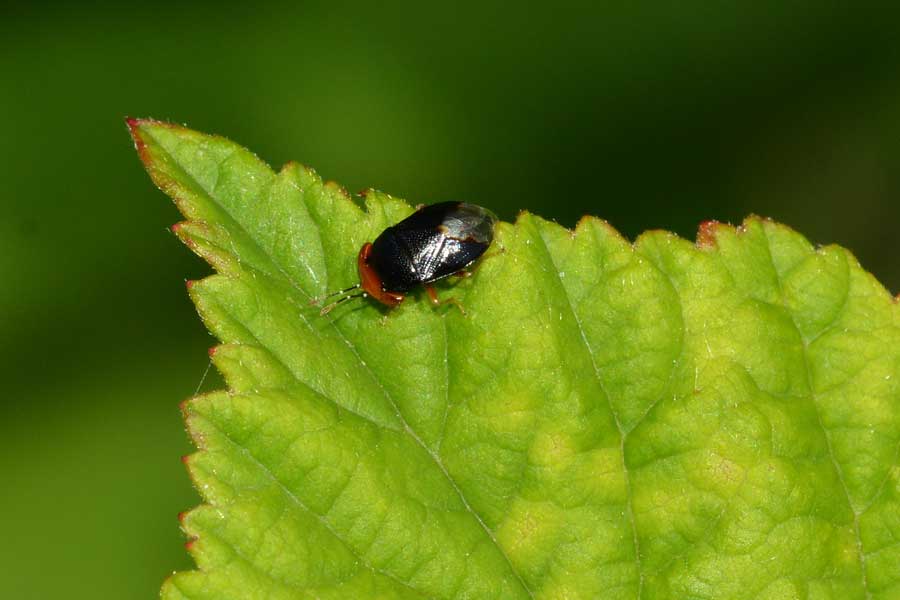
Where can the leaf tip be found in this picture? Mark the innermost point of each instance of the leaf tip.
(140, 145)
(706, 234)
(584, 221)
(337, 188)
(293, 165)
(137, 128)
(135, 123)
(189, 283)
(588, 221)
(523, 216)
(182, 231)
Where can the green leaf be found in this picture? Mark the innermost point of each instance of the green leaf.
(607, 420)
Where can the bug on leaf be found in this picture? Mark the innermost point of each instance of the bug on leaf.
(436, 241)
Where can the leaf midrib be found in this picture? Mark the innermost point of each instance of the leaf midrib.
(275, 263)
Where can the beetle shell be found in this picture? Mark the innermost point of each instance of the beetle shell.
(434, 242)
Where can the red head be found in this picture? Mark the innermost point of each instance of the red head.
(370, 281)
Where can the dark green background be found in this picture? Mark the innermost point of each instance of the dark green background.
(649, 117)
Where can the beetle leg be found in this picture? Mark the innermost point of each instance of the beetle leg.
(435, 301)
(432, 295)
(463, 274)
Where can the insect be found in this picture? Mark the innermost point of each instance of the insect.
(436, 241)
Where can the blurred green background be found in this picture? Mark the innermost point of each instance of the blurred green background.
(651, 117)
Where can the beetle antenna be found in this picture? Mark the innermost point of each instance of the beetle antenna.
(332, 294)
(327, 308)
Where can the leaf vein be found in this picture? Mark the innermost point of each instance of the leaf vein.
(275, 263)
(434, 456)
(267, 472)
(590, 351)
(812, 396)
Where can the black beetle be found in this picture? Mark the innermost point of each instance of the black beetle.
(434, 242)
